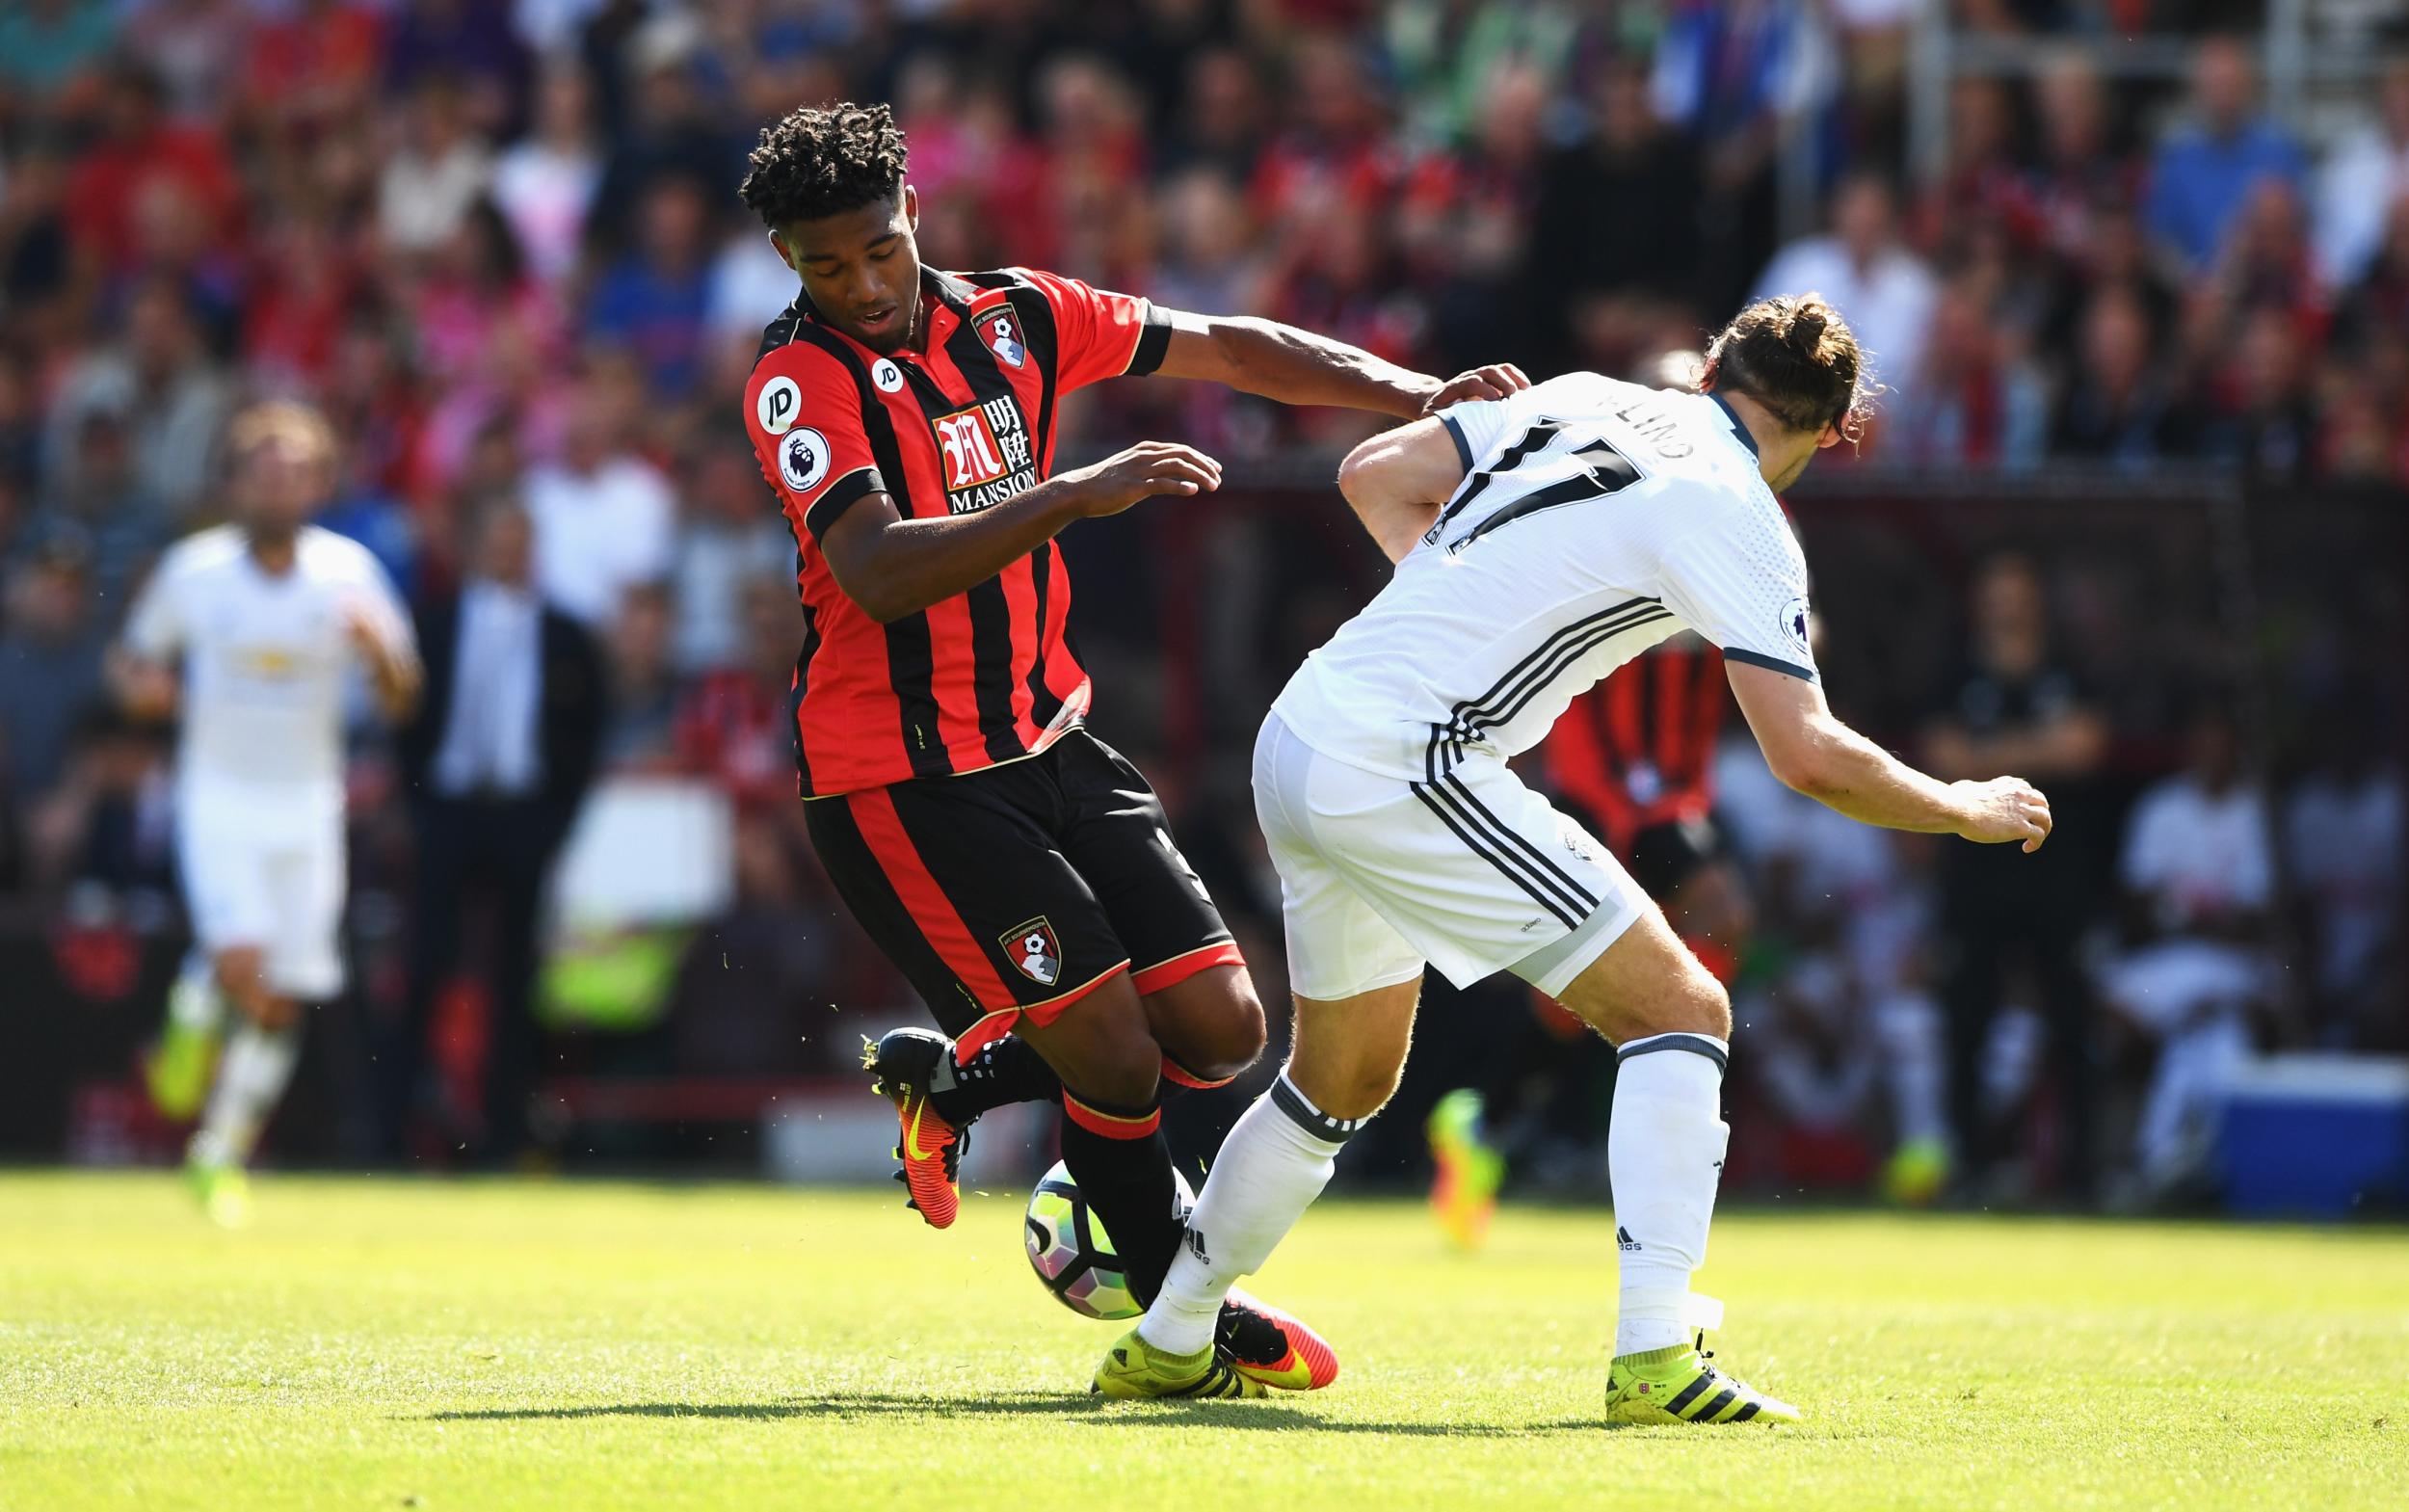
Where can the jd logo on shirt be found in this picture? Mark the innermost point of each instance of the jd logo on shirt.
(780, 400)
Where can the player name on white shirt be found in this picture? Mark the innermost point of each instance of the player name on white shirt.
(1595, 519)
(265, 653)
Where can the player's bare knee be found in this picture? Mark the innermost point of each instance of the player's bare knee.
(1231, 1042)
(1363, 1094)
(1352, 1081)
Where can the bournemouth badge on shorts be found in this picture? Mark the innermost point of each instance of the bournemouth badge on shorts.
(1035, 950)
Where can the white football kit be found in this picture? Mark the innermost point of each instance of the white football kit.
(259, 764)
(1595, 519)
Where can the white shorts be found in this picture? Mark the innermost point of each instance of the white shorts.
(273, 881)
(1472, 874)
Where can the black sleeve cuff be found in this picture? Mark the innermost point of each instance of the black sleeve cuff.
(841, 495)
(1154, 340)
(1463, 448)
(1769, 663)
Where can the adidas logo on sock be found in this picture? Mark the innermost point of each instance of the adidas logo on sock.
(1622, 1239)
(1196, 1247)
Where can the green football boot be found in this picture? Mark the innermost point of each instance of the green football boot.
(1135, 1368)
(177, 1072)
(224, 1191)
(1677, 1385)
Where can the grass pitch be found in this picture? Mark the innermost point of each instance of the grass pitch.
(383, 1344)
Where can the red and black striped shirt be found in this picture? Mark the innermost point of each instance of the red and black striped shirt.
(987, 675)
(1638, 750)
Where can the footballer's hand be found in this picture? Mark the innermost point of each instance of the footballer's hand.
(1494, 382)
(1143, 470)
(2004, 809)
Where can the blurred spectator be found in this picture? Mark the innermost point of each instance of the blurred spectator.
(605, 516)
(2082, 169)
(1977, 401)
(159, 382)
(2365, 176)
(440, 169)
(1738, 78)
(470, 46)
(47, 45)
(2199, 882)
(652, 301)
(2015, 706)
(669, 131)
(104, 518)
(477, 291)
(2256, 411)
(195, 47)
(2342, 833)
(1208, 262)
(108, 822)
(1449, 57)
(311, 60)
(2112, 407)
(497, 762)
(50, 667)
(737, 726)
(1591, 260)
(139, 156)
(729, 542)
(545, 183)
(1877, 284)
(642, 734)
(1223, 117)
(1465, 223)
(2203, 170)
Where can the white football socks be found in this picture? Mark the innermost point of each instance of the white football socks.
(251, 1077)
(194, 1002)
(1273, 1165)
(1664, 1152)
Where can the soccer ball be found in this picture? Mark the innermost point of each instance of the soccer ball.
(1073, 1255)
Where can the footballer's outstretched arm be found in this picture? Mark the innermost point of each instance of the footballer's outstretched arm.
(893, 566)
(1298, 367)
(1396, 482)
(1813, 753)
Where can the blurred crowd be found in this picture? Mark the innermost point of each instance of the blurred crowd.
(499, 245)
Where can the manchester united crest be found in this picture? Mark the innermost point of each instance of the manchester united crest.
(1034, 948)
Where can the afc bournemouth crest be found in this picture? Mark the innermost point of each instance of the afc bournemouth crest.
(1003, 337)
(1035, 950)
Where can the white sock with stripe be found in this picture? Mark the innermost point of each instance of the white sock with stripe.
(251, 1079)
(194, 1002)
(1664, 1152)
(1273, 1165)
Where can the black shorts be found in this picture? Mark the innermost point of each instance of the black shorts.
(1019, 888)
(1664, 856)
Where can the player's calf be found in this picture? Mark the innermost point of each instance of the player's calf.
(1112, 1141)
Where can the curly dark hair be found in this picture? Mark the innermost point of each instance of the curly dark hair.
(816, 162)
(1795, 355)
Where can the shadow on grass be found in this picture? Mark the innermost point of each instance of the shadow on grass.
(1258, 1417)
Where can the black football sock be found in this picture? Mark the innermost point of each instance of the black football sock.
(1003, 1071)
(1122, 1165)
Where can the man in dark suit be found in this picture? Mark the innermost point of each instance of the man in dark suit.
(496, 764)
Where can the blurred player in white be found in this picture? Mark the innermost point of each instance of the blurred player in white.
(1541, 541)
(248, 631)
